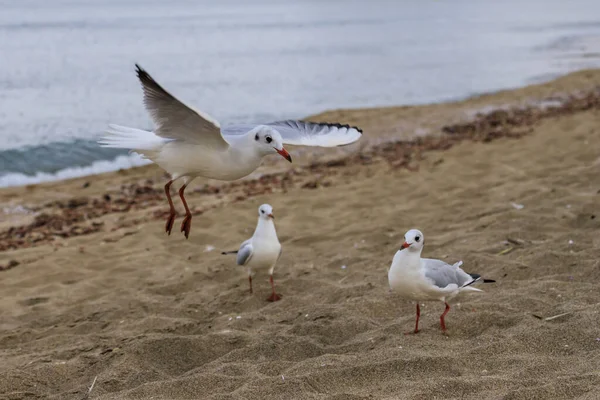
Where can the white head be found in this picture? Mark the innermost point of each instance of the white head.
(268, 140)
(413, 241)
(265, 211)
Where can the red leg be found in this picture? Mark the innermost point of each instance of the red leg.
(274, 296)
(186, 224)
(417, 323)
(171, 219)
(442, 323)
(250, 280)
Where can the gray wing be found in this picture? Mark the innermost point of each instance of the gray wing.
(176, 120)
(443, 274)
(245, 252)
(305, 133)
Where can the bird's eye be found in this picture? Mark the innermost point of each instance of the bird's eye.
(256, 137)
(269, 139)
(417, 238)
(262, 211)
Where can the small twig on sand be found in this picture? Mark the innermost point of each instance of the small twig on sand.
(87, 395)
(506, 251)
(552, 317)
(557, 316)
(516, 242)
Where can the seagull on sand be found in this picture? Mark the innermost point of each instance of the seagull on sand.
(262, 250)
(188, 143)
(423, 279)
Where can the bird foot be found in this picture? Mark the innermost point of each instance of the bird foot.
(186, 225)
(170, 222)
(274, 297)
(412, 332)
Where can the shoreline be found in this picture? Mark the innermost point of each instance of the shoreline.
(74, 172)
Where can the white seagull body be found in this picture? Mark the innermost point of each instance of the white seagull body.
(188, 143)
(423, 279)
(262, 250)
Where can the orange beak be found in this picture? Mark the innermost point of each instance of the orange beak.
(283, 152)
(271, 216)
(405, 245)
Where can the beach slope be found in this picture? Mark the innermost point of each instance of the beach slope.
(94, 291)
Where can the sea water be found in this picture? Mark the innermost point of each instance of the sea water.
(67, 67)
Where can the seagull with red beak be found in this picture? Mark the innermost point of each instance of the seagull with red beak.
(262, 250)
(188, 143)
(425, 279)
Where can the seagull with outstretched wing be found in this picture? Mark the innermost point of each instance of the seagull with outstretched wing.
(188, 143)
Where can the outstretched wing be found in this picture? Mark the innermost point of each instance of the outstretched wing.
(305, 133)
(176, 120)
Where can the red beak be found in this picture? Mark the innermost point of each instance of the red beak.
(283, 152)
(405, 245)
(271, 216)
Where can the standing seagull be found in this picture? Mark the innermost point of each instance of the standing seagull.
(262, 250)
(188, 143)
(423, 279)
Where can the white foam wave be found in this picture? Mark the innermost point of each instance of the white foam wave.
(97, 167)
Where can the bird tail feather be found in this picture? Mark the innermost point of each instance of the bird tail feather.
(470, 289)
(122, 137)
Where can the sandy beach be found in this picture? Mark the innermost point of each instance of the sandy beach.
(94, 291)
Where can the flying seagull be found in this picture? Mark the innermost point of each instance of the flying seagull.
(188, 143)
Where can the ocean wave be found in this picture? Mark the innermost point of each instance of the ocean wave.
(62, 160)
(97, 167)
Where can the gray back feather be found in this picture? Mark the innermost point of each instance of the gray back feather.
(443, 274)
(244, 253)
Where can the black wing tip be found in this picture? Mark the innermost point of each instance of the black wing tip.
(142, 74)
(476, 277)
(336, 125)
